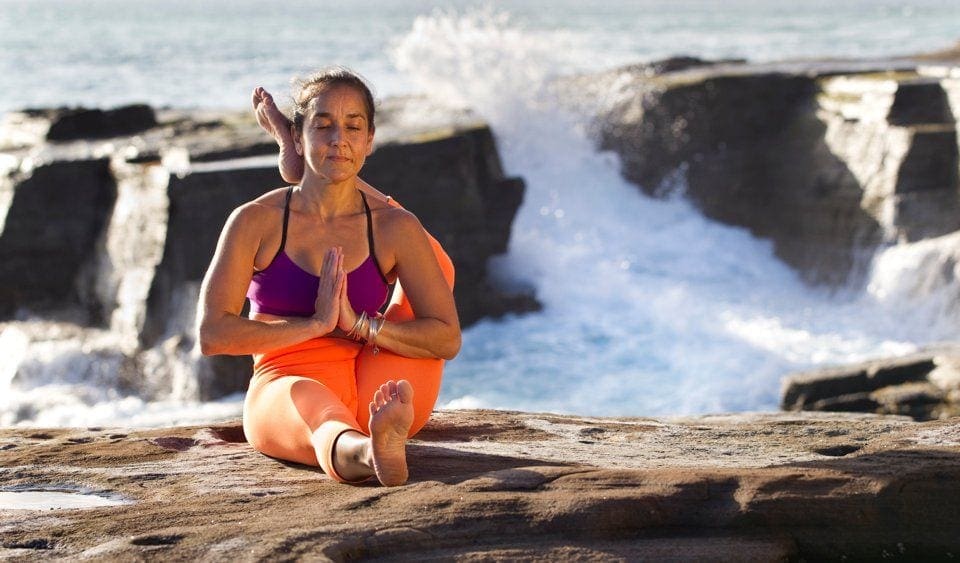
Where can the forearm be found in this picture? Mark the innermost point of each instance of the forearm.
(235, 335)
(420, 338)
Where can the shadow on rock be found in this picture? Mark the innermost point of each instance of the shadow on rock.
(450, 466)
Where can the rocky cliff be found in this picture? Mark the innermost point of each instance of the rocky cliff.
(828, 159)
(831, 161)
(501, 485)
(110, 218)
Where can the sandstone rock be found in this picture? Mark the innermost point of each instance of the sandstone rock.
(32, 126)
(53, 213)
(826, 159)
(674, 64)
(910, 399)
(918, 385)
(919, 100)
(502, 485)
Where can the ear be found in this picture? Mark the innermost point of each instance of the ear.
(297, 144)
(370, 144)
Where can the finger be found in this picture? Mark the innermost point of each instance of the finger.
(342, 287)
(327, 260)
(328, 270)
(342, 283)
(330, 257)
(336, 267)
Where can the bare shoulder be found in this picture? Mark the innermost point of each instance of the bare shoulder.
(273, 200)
(262, 211)
(396, 222)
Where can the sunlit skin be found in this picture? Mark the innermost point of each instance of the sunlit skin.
(335, 140)
(290, 162)
(326, 214)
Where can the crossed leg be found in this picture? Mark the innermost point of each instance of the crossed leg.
(300, 419)
(272, 120)
(423, 376)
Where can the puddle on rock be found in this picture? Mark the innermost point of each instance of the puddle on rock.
(55, 499)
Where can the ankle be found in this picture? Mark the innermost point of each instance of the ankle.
(352, 457)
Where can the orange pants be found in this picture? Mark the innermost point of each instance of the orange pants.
(301, 398)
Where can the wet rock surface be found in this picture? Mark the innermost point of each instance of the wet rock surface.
(487, 484)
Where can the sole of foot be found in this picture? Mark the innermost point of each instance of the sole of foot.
(391, 414)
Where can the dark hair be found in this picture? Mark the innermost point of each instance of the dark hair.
(306, 89)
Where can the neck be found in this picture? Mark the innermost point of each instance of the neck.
(326, 200)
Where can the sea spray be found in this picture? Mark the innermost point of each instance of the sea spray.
(649, 308)
(920, 283)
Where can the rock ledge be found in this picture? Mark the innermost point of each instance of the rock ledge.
(508, 485)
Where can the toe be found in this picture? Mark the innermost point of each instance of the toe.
(405, 391)
(379, 398)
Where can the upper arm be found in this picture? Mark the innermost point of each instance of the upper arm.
(228, 277)
(418, 271)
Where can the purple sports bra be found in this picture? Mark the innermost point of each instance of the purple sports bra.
(285, 289)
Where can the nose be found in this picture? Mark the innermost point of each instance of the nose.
(336, 136)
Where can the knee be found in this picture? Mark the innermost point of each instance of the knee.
(255, 438)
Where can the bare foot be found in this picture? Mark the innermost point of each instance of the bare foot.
(269, 116)
(272, 120)
(391, 414)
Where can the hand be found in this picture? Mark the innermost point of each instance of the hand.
(348, 317)
(333, 282)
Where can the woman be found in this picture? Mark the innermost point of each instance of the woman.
(316, 260)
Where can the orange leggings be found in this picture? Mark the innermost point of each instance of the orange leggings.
(301, 399)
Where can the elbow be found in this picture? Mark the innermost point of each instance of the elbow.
(207, 349)
(209, 346)
(451, 347)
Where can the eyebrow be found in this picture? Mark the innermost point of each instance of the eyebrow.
(329, 115)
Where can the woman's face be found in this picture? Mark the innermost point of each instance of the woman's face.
(336, 136)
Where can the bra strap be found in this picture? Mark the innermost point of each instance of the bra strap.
(286, 221)
(366, 209)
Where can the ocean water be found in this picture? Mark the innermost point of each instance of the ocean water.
(649, 308)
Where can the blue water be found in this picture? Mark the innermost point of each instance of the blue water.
(211, 53)
(649, 308)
